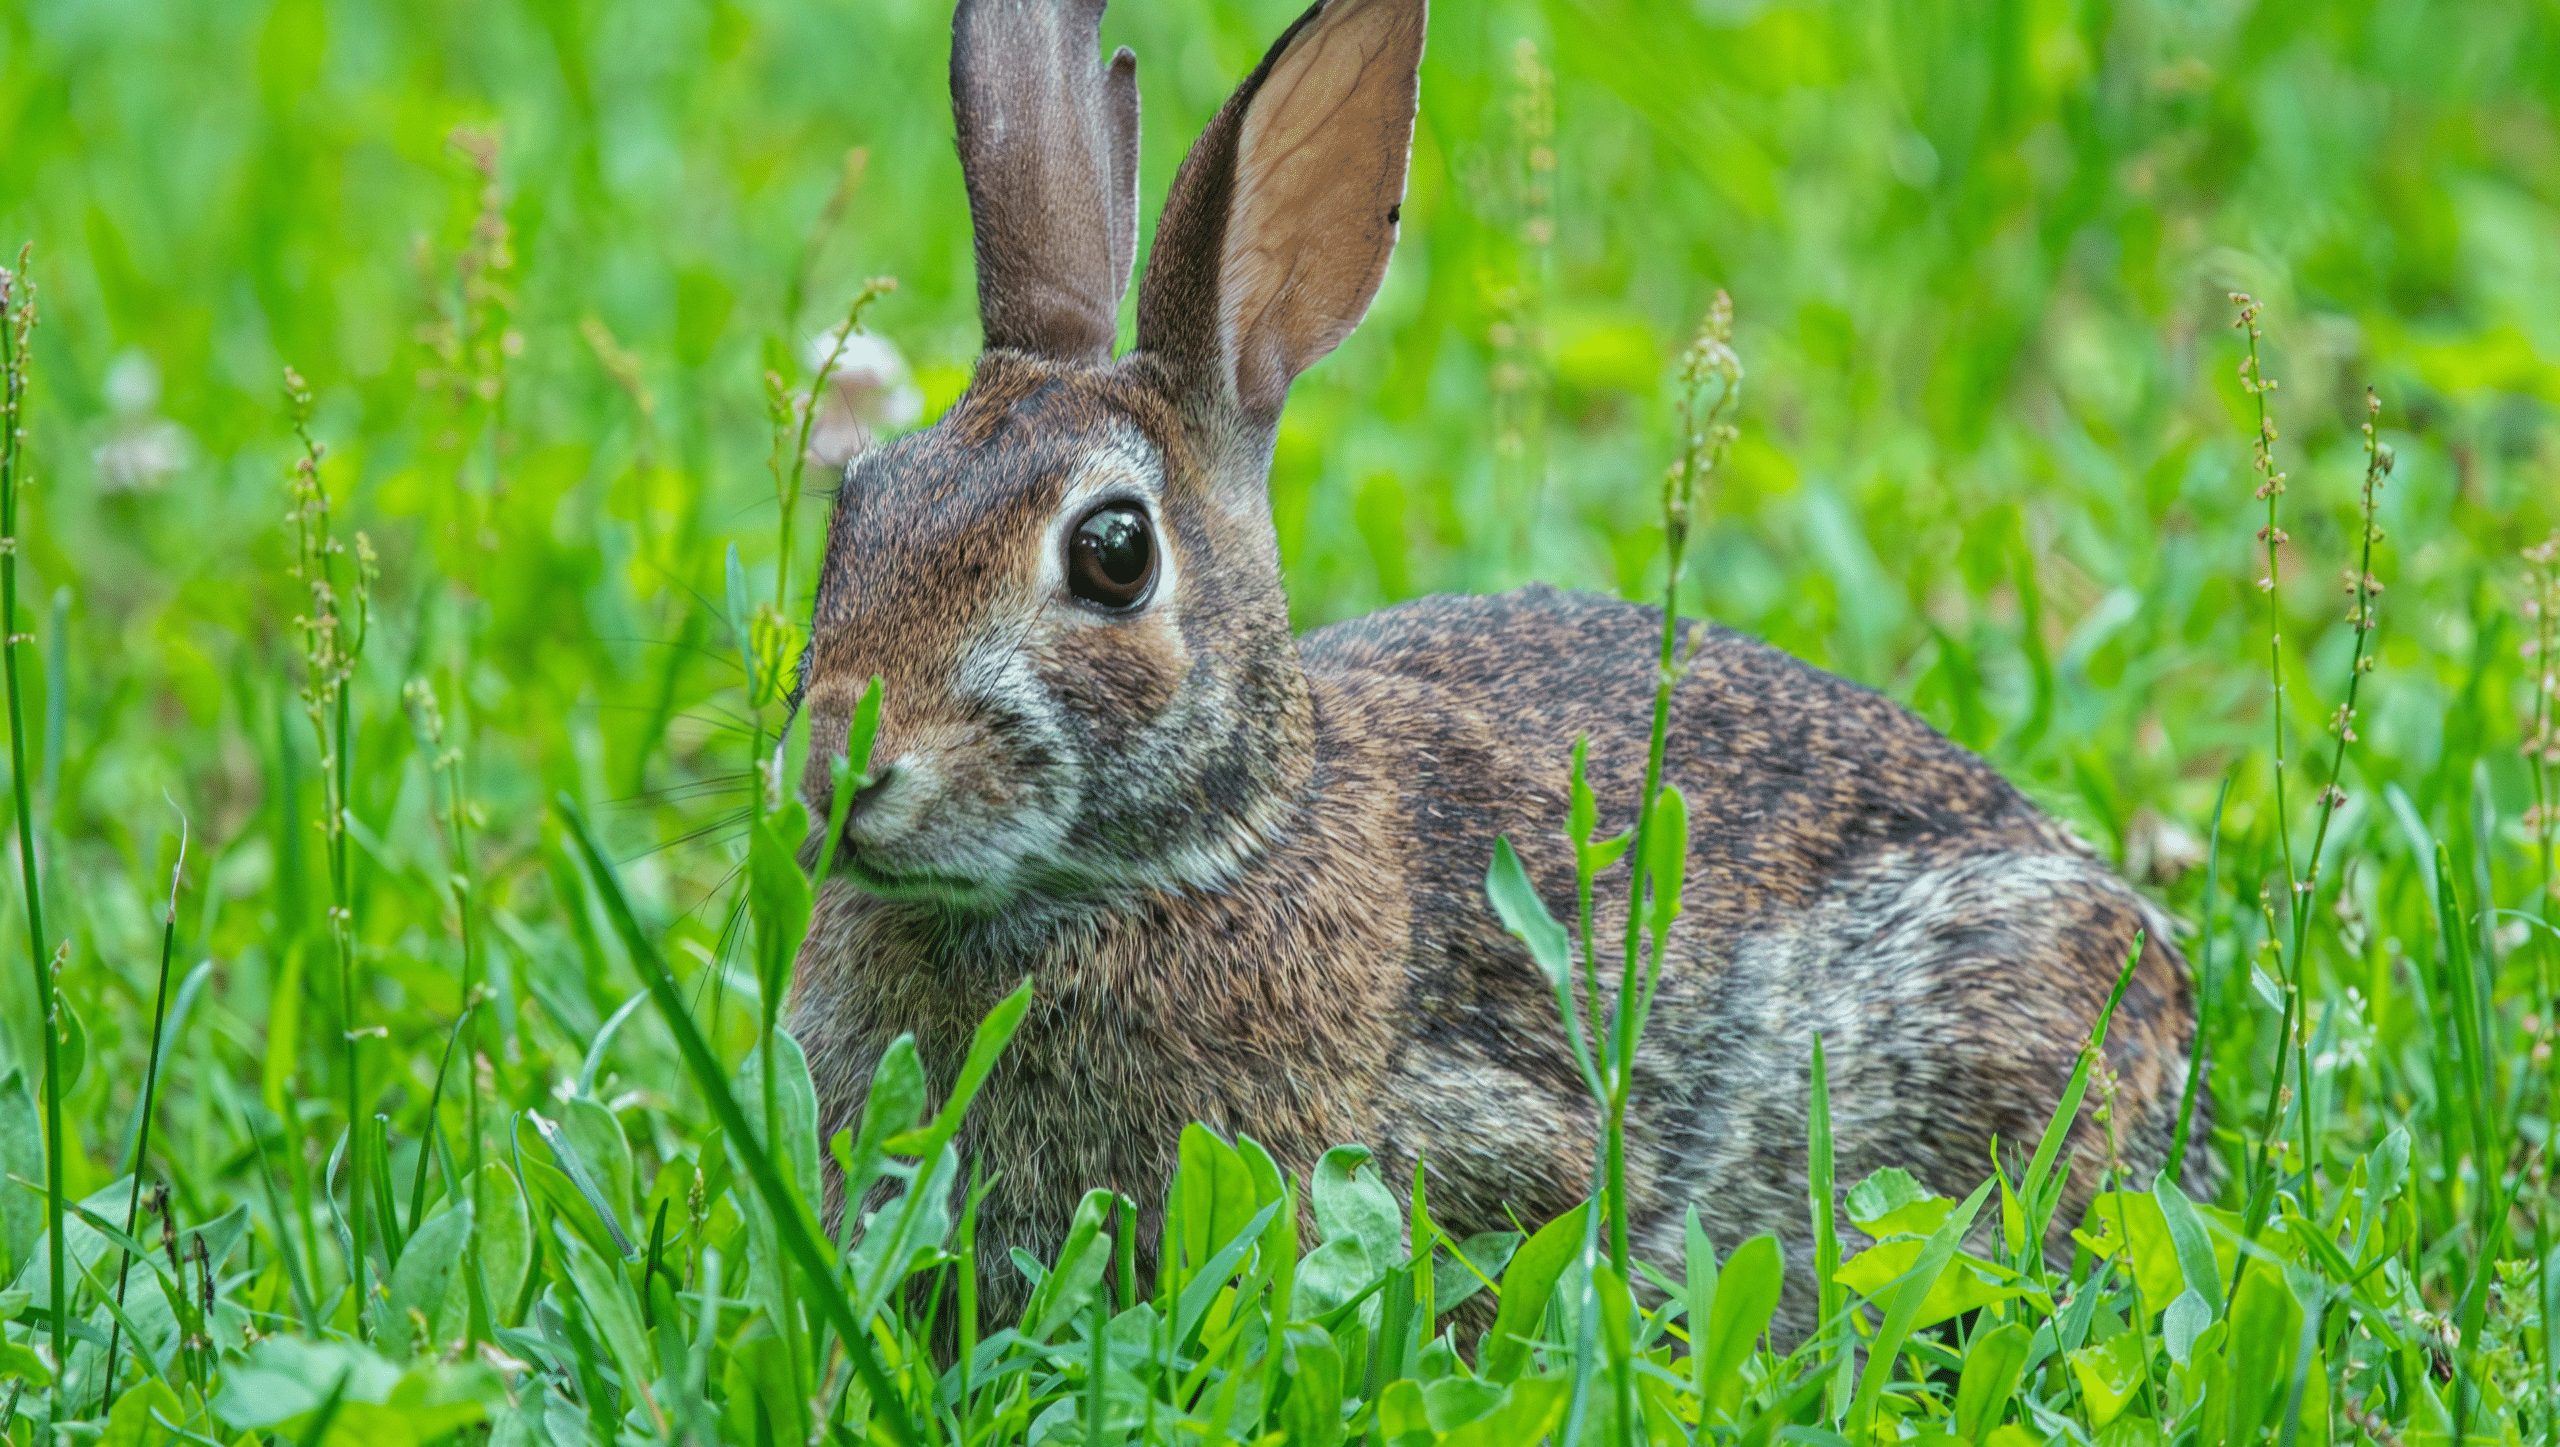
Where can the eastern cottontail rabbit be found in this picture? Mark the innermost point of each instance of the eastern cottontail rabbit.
(1246, 869)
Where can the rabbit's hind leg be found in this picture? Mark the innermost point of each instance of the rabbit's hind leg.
(1952, 997)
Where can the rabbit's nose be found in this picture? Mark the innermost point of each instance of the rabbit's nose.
(872, 790)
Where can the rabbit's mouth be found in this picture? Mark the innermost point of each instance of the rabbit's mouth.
(913, 884)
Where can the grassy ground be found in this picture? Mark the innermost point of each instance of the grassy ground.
(536, 260)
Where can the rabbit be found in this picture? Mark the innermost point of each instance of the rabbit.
(1244, 870)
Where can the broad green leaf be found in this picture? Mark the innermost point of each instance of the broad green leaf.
(1403, 1420)
(2387, 1168)
(613, 1309)
(552, 1170)
(2265, 1320)
(2199, 1266)
(1909, 1297)
(281, 1378)
(1454, 1281)
(2110, 1376)
(606, 1153)
(1215, 1275)
(2156, 1266)
(778, 895)
(796, 1109)
(761, 1400)
(1968, 1283)
(1666, 848)
(132, 1422)
(1213, 1194)
(1077, 1272)
(1526, 1285)
(504, 1235)
(22, 1156)
(1746, 1297)
(1351, 1202)
(1525, 915)
(892, 1107)
(905, 1234)
(2184, 1321)
(1881, 1194)
(19, 1363)
(1331, 1274)
(1529, 1414)
(1311, 1407)
(1993, 1362)
(1453, 1402)
(425, 1275)
(1280, 1238)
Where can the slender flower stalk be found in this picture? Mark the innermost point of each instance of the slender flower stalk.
(333, 639)
(17, 329)
(1710, 365)
(2288, 929)
(2258, 385)
(2542, 731)
(791, 473)
(2271, 486)
(444, 761)
(1711, 387)
(2365, 593)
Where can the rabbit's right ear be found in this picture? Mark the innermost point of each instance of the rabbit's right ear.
(1281, 219)
(1049, 147)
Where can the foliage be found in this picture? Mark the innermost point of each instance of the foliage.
(466, 995)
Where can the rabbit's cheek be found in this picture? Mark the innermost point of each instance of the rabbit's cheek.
(1117, 683)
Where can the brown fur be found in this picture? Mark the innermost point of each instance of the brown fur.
(1244, 871)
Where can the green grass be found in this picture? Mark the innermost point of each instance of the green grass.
(536, 261)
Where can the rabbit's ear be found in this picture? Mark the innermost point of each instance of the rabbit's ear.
(1281, 220)
(1049, 146)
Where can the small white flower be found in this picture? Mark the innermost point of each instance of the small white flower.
(869, 389)
(143, 448)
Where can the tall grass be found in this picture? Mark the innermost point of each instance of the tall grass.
(456, 1137)
(17, 335)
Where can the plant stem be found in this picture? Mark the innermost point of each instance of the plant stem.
(2203, 967)
(788, 478)
(150, 1088)
(330, 652)
(1704, 437)
(17, 326)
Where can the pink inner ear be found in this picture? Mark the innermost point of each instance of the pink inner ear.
(1318, 191)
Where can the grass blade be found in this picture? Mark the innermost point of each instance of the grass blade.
(790, 1214)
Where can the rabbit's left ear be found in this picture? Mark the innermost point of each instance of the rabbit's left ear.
(1049, 146)
(1282, 218)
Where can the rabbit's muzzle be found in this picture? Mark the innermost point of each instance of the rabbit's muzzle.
(961, 810)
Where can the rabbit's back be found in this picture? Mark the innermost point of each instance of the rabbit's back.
(1851, 872)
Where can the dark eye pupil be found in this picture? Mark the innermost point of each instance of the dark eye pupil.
(1111, 558)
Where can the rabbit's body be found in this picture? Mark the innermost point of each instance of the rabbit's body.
(1851, 872)
(1245, 871)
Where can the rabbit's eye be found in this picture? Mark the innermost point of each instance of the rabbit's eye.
(1111, 557)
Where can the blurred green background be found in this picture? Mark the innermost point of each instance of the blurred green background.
(1993, 453)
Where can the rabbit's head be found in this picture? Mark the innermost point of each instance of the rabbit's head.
(1069, 586)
